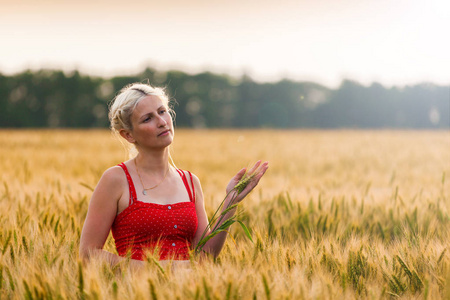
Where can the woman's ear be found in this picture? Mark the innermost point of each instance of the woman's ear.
(127, 135)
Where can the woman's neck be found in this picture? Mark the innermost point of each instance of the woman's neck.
(153, 161)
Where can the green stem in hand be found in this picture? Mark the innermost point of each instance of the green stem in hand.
(238, 188)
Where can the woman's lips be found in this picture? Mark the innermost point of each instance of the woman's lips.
(164, 133)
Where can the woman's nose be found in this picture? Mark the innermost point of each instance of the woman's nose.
(161, 121)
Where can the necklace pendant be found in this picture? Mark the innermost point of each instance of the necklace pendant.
(144, 192)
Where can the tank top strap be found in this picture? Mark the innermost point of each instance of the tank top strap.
(133, 196)
(186, 184)
(192, 184)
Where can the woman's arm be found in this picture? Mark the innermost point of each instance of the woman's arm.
(100, 217)
(215, 244)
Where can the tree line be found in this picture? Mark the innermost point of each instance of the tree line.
(55, 99)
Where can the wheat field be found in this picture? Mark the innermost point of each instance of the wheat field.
(339, 215)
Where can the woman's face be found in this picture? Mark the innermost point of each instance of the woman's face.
(152, 123)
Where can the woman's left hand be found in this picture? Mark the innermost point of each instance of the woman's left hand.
(255, 174)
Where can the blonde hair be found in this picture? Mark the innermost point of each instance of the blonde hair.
(122, 106)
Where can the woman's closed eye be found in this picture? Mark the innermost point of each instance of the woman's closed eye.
(150, 116)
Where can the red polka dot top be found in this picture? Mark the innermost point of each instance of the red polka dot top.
(161, 230)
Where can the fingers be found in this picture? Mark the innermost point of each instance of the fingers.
(259, 172)
(255, 167)
(239, 174)
(262, 168)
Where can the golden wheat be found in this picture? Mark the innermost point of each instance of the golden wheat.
(339, 215)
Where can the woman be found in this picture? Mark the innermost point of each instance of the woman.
(151, 207)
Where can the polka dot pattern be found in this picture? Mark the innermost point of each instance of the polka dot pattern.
(164, 230)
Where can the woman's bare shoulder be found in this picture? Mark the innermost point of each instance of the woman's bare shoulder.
(112, 185)
(114, 171)
(113, 176)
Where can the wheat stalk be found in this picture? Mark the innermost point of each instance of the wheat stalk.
(220, 225)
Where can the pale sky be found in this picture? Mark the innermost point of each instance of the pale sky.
(393, 42)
